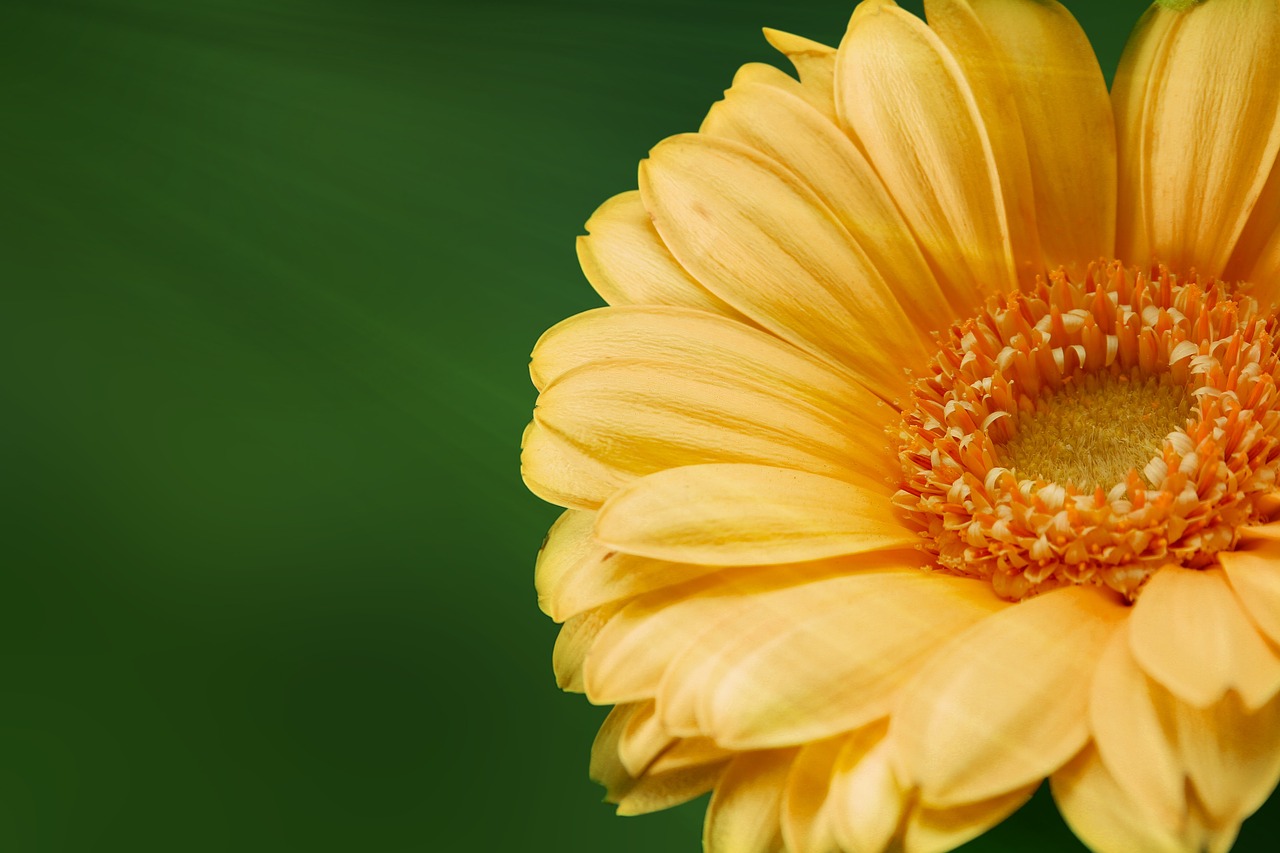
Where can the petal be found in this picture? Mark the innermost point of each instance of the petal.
(628, 264)
(1141, 67)
(806, 818)
(1253, 570)
(1104, 817)
(1257, 254)
(1132, 721)
(1210, 128)
(758, 238)
(831, 668)
(904, 99)
(1004, 704)
(574, 573)
(815, 63)
(935, 830)
(1231, 756)
(661, 791)
(729, 515)
(745, 811)
(783, 127)
(575, 639)
(988, 81)
(609, 422)
(1067, 122)
(867, 803)
(1190, 633)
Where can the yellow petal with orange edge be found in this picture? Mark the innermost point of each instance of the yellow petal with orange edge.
(1253, 570)
(729, 515)
(1104, 817)
(1211, 128)
(1067, 122)
(903, 97)
(1190, 634)
(574, 641)
(574, 573)
(783, 127)
(807, 816)
(989, 81)
(628, 264)
(745, 811)
(836, 665)
(935, 830)
(1004, 703)
(1132, 720)
(761, 240)
(867, 802)
(1141, 67)
(814, 62)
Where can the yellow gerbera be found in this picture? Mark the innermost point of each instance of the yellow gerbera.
(928, 448)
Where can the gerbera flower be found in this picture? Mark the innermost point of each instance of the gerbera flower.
(928, 447)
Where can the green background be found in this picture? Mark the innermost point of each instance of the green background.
(272, 270)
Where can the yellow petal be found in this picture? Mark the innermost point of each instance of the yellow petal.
(783, 127)
(815, 63)
(831, 667)
(903, 97)
(1190, 633)
(1141, 68)
(989, 82)
(1004, 704)
(935, 830)
(1253, 570)
(660, 791)
(1210, 128)
(1102, 814)
(1256, 257)
(730, 515)
(867, 802)
(628, 264)
(1132, 721)
(574, 641)
(608, 422)
(1231, 756)
(806, 817)
(575, 573)
(1067, 122)
(682, 340)
(758, 238)
(745, 811)
(606, 764)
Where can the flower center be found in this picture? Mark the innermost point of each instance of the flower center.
(1091, 432)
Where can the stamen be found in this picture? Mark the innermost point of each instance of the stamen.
(1093, 431)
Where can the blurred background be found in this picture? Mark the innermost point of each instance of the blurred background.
(272, 270)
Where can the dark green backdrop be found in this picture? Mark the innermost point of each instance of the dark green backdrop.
(272, 269)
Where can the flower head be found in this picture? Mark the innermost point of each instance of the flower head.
(928, 447)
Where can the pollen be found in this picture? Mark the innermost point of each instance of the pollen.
(1092, 431)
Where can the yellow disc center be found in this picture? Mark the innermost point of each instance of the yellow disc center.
(1094, 431)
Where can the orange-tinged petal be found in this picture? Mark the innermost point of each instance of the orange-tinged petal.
(1253, 570)
(1256, 258)
(1104, 817)
(1004, 703)
(628, 264)
(903, 97)
(989, 82)
(748, 515)
(1231, 755)
(745, 811)
(1067, 122)
(1210, 128)
(1141, 68)
(935, 830)
(783, 127)
(1132, 721)
(1190, 633)
(814, 62)
(760, 239)
(835, 666)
